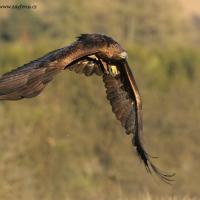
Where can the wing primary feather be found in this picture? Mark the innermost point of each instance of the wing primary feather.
(137, 140)
(122, 92)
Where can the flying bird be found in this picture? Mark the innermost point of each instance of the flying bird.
(90, 54)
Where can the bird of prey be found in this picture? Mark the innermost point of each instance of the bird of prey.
(90, 54)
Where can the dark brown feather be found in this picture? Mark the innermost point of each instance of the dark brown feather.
(30, 79)
(123, 94)
(87, 66)
(119, 98)
(25, 83)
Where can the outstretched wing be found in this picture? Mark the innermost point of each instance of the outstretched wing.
(123, 94)
(26, 82)
(30, 79)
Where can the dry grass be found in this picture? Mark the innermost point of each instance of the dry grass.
(66, 143)
(60, 145)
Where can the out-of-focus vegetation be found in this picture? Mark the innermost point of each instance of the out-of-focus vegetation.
(60, 145)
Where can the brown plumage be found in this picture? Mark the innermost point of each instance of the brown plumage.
(90, 54)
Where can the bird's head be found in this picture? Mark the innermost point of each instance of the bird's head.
(112, 51)
(108, 48)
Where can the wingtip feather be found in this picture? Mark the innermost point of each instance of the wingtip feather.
(150, 167)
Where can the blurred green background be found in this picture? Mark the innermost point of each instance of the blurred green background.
(66, 143)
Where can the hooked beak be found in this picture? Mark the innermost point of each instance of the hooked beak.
(123, 55)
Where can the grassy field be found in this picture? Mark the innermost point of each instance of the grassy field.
(61, 142)
(66, 143)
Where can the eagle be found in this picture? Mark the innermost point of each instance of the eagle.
(90, 54)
